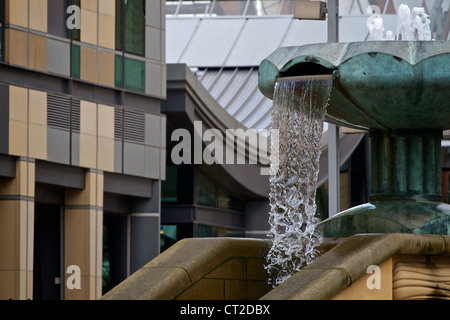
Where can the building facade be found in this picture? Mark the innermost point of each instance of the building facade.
(82, 144)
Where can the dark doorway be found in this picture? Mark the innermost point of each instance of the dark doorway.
(115, 249)
(47, 275)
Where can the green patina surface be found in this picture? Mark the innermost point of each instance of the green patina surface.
(400, 92)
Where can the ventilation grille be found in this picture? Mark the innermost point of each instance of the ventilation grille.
(58, 112)
(63, 113)
(129, 125)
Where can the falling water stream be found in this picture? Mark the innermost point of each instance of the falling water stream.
(298, 113)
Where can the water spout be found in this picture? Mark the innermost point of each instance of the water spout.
(298, 115)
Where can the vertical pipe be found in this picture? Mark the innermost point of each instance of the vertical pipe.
(385, 165)
(415, 165)
(399, 176)
(438, 163)
(375, 158)
(333, 170)
(333, 130)
(429, 160)
(333, 20)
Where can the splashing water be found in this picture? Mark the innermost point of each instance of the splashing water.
(298, 114)
(411, 25)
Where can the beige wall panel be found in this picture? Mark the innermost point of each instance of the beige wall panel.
(37, 140)
(88, 64)
(106, 154)
(15, 42)
(37, 52)
(38, 107)
(107, 30)
(38, 15)
(84, 236)
(17, 230)
(106, 68)
(107, 7)
(18, 138)
(89, 5)
(18, 103)
(88, 117)
(88, 26)
(106, 121)
(17, 12)
(22, 184)
(92, 195)
(88, 151)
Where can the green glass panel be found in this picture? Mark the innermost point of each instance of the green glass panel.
(118, 71)
(134, 75)
(206, 191)
(135, 27)
(227, 201)
(76, 61)
(169, 186)
(76, 33)
(119, 25)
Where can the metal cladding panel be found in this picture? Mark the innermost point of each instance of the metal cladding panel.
(211, 43)
(258, 38)
(237, 92)
(178, 33)
(302, 32)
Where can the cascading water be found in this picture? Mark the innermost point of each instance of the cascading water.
(297, 115)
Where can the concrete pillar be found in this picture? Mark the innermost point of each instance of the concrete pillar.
(16, 232)
(83, 238)
(144, 229)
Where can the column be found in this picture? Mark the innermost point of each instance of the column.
(16, 232)
(83, 238)
(145, 229)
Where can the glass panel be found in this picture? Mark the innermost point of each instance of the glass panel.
(169, 186)
(135, 27)
(134, 74)
(226, 201)
(206, 191)
(213, 231)
(119, 25)
(106, 274)
(76, 33)
(169, 235)
(118, 71)
(76, 61)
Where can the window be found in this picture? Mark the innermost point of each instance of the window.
(57, 17)
(130, 26)
(213, 231)
(130, 39)
(206, 191)
(169, 186)
(212, 195)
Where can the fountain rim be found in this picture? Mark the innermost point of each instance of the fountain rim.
(330, 56)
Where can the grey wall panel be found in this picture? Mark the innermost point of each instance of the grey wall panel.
(145, 232)
(58, 145)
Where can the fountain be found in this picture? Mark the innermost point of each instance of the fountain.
(399, 91)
